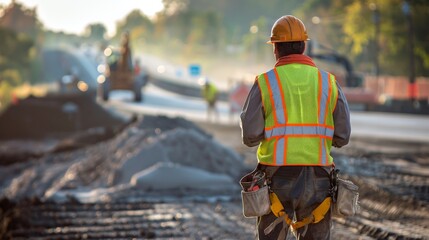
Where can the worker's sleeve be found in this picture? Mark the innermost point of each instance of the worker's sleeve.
(341, 121)
(252, 118)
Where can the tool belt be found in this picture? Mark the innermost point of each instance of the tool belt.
(258, 200)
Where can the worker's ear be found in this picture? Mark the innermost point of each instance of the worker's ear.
(275, 51)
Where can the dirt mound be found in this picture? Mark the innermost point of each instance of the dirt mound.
(153, 178)
(54, 116)
(107, 164)
(163, 123)
(37, 126)
(187, 147)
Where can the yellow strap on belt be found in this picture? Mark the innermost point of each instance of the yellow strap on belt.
(316, 215)
(276, 206)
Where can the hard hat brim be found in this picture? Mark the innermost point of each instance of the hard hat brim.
(277, 41)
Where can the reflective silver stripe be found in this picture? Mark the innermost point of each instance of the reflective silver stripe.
(277, 96)
(322, 107)
(324, 160)
(299, 130)
(280, 149)
(324, 97)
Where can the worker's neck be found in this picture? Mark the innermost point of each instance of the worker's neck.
(295, 58)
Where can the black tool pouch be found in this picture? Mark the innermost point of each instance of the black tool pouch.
(255, 194)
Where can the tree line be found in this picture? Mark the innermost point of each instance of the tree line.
(365, 31)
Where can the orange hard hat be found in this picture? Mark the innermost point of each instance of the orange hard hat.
(288, 29)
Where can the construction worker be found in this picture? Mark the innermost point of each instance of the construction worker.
(295, 112)
(125, 64)
(210, 93)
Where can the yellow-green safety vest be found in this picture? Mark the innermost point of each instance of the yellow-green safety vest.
(210, 92)
(298, 102)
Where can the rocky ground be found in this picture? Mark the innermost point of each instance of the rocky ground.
(121, 186)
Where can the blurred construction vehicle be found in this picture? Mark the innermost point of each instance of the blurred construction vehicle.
(118, 72)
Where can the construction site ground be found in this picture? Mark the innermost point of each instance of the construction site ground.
(392, 177)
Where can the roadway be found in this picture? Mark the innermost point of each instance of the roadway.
(375, 125)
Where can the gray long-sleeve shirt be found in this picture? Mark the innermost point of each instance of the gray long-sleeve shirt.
(253, 120)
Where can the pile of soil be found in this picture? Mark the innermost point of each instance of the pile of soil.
(39, 125)
(54, 116)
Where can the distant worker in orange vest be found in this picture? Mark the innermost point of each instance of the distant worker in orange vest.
(295, 112)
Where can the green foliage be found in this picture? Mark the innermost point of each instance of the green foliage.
(236, 16)
(15, 62)
(11, 76)
(350, 28)
(219, 28)
(19, 38)
(356, 31)
(420, 20)
(5, 93)
(138, 25)
(14, 57)
(14, 50)
(194, 29)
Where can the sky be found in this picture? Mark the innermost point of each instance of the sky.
(72, 16)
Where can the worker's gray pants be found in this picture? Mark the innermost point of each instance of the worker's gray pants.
(301, 190)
